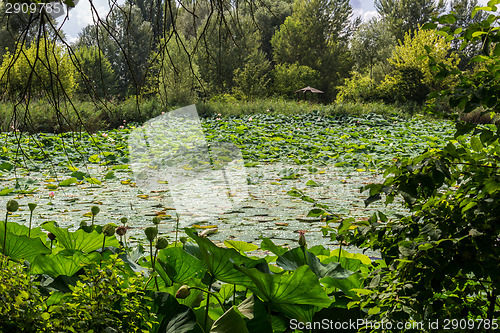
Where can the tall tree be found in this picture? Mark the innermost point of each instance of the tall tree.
(316, 35)
(405, 16)
(126, 40)
(224, 48)
(372, 44)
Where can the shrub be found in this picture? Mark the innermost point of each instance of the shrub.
(357, 88)
(289, 78)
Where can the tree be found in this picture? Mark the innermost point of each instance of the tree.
(252, 80)
(442, 259)
(127, 41)
(41, 70)
(96, 76)
(269, 18)
(414, 50)
(404, 16)
(289, 78)
(316, 35)
(223, 49)
(372, 43)
(462, 11)
(178, 79)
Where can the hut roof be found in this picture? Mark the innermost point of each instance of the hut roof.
(309, 89)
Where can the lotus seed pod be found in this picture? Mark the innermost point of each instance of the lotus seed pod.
(121, 231)
(95, 210)
(183, 292)
(302, 239)
(12, 206)
(83, 224)
(156, 220)
(151, 233)
(108, 230)
(161, 243)
(32, 206)
(123, 220)
(51, 236)
(183, 240)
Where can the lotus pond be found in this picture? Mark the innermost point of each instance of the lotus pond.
(291, 164)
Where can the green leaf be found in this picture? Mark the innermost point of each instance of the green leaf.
(93, 180)
(476, 144)
(231, 321)
(220, 262)
(68, 181)
(345, 285)
(80, 240)
(66, 262)
(296, 257)
(6, 166)
(19, 247)
(240, 246)
(180, 265)
(172, 316)
(299, 287)
(253, 309)
(312, 183)
(268, 245)
(5, 191)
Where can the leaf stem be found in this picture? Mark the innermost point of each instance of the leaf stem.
(208, 303)
(5, 232)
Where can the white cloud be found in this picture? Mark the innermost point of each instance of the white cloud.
(365, 15)
(81, 16)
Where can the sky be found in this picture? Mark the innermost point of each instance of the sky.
(81, 15)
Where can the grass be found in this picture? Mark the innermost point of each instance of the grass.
(42, 116)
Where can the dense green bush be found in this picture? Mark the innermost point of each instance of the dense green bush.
(357, 88)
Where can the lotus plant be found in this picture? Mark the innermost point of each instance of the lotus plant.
(94, 210)
(12, 206)
(32, 207)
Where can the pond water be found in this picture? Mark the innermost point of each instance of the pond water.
(262, 208)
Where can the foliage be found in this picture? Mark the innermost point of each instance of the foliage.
(315, 35)
(289, 78)
(450, 242)
(126, 40)
(405, 16)
(253, 80)
(412, 52)
(21, 300)
(96, 76)
(43, 69)
(372, 44)
(404, 84)
(357, 88)
(107, 292)
(178, 79)
(224, 49)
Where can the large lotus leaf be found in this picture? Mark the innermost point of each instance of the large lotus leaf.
(66, 262)
(299, 287)
(268, 245)
(172, 316)
(146, 262)
(180, 265)
(293, 259)
(301, 312)
(355, 281)
(231, 321)
(220, 262)
(80, 240)
(240, 246)
(255, 312)
(20, 247)
(20, 230)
